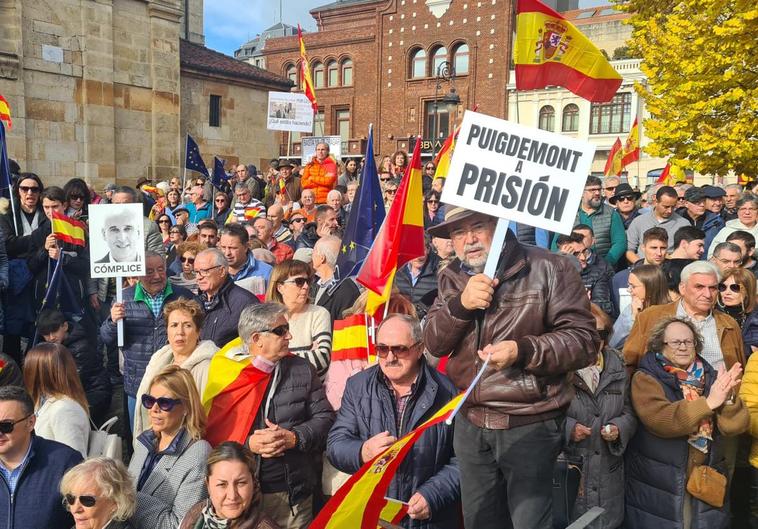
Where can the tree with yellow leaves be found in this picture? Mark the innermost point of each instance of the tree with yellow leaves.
(701, 62)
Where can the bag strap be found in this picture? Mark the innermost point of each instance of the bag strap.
(106, 427)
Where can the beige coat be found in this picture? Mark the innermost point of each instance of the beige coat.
(197, 363)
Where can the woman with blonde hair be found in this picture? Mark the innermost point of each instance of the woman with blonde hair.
(168, 464)
(737, 297)
(184, 319)
(60, 404)
(99, 494)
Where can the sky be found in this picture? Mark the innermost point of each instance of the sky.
(231, 23)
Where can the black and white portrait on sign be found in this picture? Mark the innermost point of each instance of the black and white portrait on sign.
(117, 245)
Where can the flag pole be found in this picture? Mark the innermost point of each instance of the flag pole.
(184, 175)
(474, 382)
(7, 170)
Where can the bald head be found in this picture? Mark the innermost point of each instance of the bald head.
(275, 214)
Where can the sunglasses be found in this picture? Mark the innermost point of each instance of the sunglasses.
(300, 282)
(299, 219)
(76, 197)
(430, 168)
(627, 198)
(280, 331)
(165, 221)
(164, 403)
(734, 287)
(391, 191)
(7, 427)
(220, 200)
(28, 189)
(190, 260)
(432, 201)
(385, 179)
(86, 501)
(400, 351)
(174, 232)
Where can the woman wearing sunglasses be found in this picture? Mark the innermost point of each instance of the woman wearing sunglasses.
(184, 318)
(176, 235)
(235, 497)
(164, 226)
(186, 252)
(737, 297)
(221, 208)
(78, 199)
(60, 404)
(99, 494)
(432, 209)
(310, 325)
(169, 458)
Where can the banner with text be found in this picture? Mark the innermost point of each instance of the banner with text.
(309, 147)
(518, 173)
(290, 112)
(117, 240)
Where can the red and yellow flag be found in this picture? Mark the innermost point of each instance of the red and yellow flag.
(69, 230)
(360, 501)
(394, 511)
(401, 237)
(350, 339)
(233, 395)
(5, 111)
(305, 72)
(632, 145)
(613, 165)
(671, 175)
(442, 160)
(550, 51)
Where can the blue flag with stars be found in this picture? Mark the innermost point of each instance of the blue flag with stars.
(366, 217)
(193, 160)
(219, 177)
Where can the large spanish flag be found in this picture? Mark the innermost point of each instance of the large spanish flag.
(401, 237)
(233, 394)
(69, 230)
(305, 72)
(632, 145)
(613, 164)
(550, 51)
(359, 503)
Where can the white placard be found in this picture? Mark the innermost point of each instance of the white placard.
(289, 111)
(117, 240)
(517, 173)
(309, 143)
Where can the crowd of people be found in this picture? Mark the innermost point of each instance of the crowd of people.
(625, 347)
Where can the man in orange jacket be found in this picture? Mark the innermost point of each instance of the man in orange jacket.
(320, 174)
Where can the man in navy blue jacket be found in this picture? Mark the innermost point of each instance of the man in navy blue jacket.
(31, 467)
(385, 402)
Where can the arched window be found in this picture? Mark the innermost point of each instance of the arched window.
(291, 73)
(570, 118)
(547, 118)
(418, 64)
(347, 72)
(332, 73)
(460, 59)
(318, 75)
(438, 57)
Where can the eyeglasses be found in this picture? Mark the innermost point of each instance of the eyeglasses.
(190, 260)
(390, 191)
(166, 221)
(29, 189)
(75, 196)
(677, 344)
(280, 331)
(734, 287)
(477, 229)
(299, 219)
(175, 232)
(592, 190)
(432, 201)
(628, 198)
(204, 273)
(86, 501)
(430, 168)
(400, 351)
(164, 403)
(7, 427)
(386, 179)
(747, 210)
(611, 189)
(220, 200)
(300, 282)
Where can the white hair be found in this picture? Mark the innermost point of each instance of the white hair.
(699, 267)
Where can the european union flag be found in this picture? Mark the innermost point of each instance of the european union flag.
(366, 217)
(193, 160)
(219, 177)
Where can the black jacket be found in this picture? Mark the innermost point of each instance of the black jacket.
(308, 237)
(597, 280)
(222, 314)
(424, 292)
(338, 298)
(82, 343)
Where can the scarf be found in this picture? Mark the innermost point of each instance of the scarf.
(737, 312)
(211, 520)
(692, 383)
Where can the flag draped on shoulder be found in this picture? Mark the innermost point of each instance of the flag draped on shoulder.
(632, 145)
(365, 219)
(359, 503)
(613, 164)
(69, 230)
(305, 72)
(550, 51)
(193, 160)
(233, 394)
(401, 237)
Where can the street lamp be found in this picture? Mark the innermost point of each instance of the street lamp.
(451, 100)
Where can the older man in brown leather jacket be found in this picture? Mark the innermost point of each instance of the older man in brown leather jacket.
(534, 319)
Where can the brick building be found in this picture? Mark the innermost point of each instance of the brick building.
(376, 61)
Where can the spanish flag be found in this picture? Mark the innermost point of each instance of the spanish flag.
(613, 165)
(305, 72)
(360, 501)
(5, 111)
(550, 51)
(69, 230)
(233, 394)
(394, 511)
(442, 160)
(632, 145)
(671, 175)
(350, 340)
(401, 237)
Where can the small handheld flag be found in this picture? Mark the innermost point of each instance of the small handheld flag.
(69, 230)
(5, 111)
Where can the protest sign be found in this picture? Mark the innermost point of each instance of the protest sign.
(289, 111)
(117, 240)
(309, 147)
(518, 173)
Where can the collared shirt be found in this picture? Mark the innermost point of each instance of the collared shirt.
(253, 268)
(154, 302)
(12, 476)
(401, 402)
(707, 329)
(150, 441)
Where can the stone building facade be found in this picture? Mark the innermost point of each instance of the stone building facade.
(97, 88)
